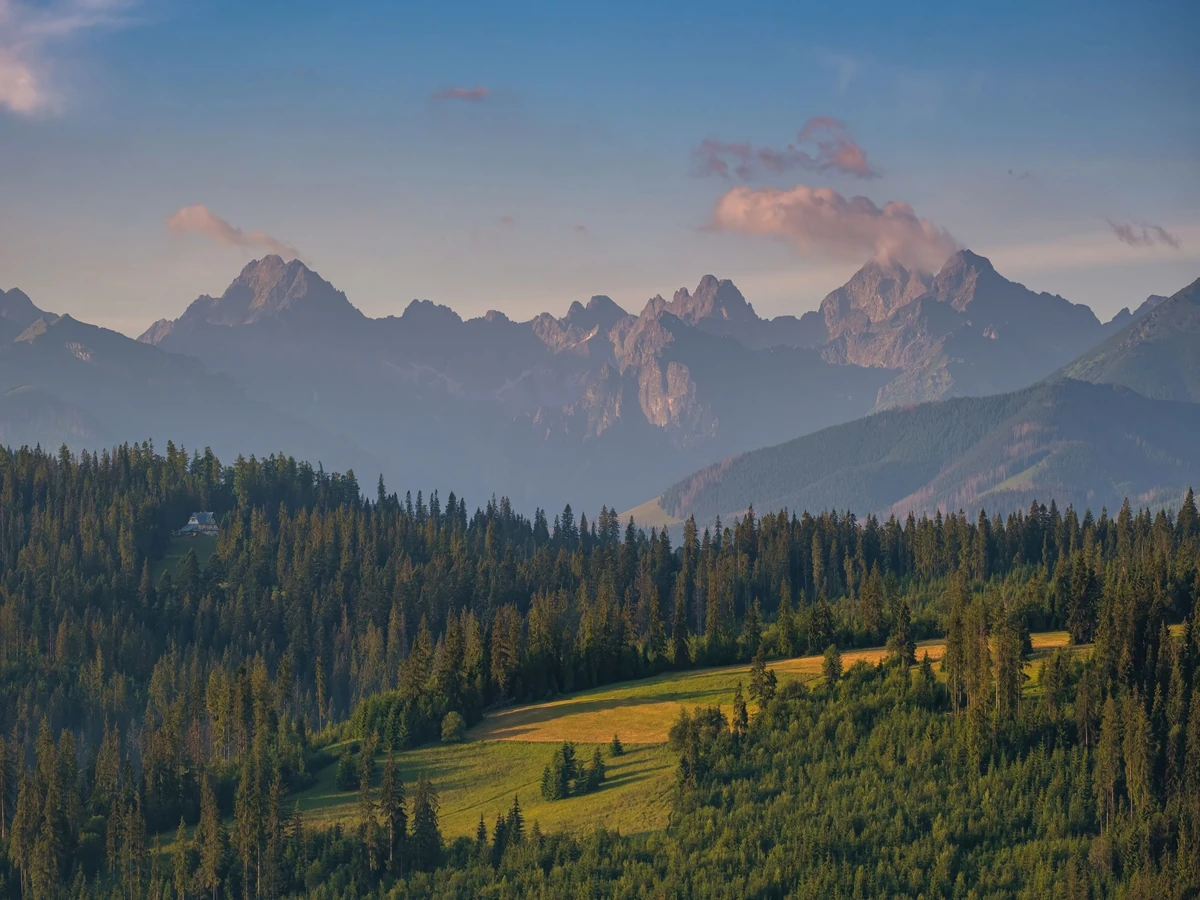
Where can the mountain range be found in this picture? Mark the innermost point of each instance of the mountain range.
(1120, 421)
(598, 406)
(1090, 445)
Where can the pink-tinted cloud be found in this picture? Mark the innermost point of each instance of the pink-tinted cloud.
(820, 220)
(1143, 234)
(507, 221)
(834, 150)
(199, 219)
(475, 94)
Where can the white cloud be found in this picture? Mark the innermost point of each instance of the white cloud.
(32, 36)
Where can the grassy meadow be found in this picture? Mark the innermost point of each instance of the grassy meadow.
(505, 753)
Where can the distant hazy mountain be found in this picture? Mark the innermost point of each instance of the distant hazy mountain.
(1090, 445)
(17, 313)
(1156, 354)
(31, 416)
(63, 380)
(598, 406)
(718, 307)
(1124, 317)
(966, 331)
(267, 289)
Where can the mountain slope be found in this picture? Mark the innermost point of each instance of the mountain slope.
(1090, 445)
(17, 313)
(31, 416)
(84, 385)
(1157, 354)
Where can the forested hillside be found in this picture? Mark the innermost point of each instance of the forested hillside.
(136, 703)
(1083, 444)
(1155, 354)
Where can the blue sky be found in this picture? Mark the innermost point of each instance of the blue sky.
(573, 170)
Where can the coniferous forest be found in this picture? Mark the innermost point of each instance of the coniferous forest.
(143, 703)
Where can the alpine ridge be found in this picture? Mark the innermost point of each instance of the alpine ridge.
(597, 404)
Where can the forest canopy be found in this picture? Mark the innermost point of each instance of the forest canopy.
(140, 699)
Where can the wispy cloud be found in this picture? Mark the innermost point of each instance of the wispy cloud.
(834, 150)
(31, 36)
(582, 231)
(1143, 234)
(507, 221)
(1092, 249)
(199, 219)
(820, 220)
(475, 94)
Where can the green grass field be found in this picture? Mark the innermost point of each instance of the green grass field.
(204, 545)
(506, 752)
(482, 777)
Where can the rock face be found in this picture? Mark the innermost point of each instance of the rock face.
(873, 293)
(966, 331)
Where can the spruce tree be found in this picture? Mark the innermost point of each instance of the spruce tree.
(831, 665)
(391, 807)
(515, 823)
(481, 836)
(499, 839)
(681, 657)
(741, 719)
(785, 622)
(181, 862)
(1108, 762)
(426, 838)
(762, 680)
(211, 839)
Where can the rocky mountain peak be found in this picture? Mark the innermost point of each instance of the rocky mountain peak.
(266, 289)
(426, 312)
(871, 295)
(601, 313)
(713, 298)
(962, 277)
(279, 288)
(655, 306)
(16, 306)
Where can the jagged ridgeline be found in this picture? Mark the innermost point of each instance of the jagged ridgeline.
(154, 683)
(602, 404)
